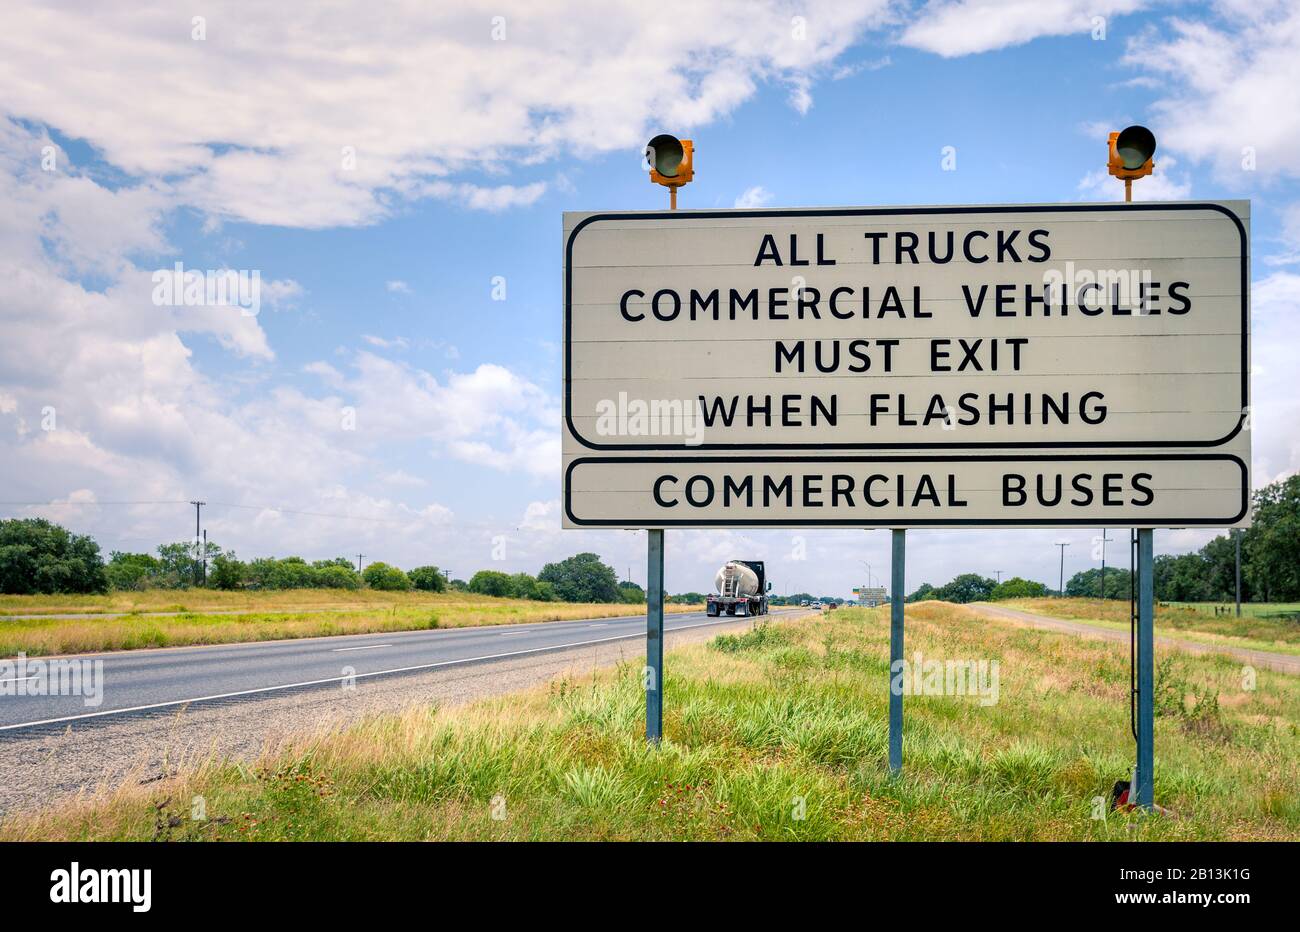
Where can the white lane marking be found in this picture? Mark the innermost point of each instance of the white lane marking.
(339, 650)
(336, 679)
(596, 626)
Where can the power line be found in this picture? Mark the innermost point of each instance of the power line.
(308, 514)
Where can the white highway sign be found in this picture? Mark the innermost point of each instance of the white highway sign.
(1022, 365)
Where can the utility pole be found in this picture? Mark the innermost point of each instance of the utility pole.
(359, 556)
(198, 508)
(1236, 536)
(1060, 592)
(205, 556)
(999, 574)
(1104, 539)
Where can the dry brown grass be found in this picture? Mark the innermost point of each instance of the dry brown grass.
(45, 636)
(1254, 629)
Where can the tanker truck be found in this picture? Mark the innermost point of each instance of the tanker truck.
(741, 588)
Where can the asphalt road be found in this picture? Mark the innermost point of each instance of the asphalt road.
(1269, 660)
(144, 681)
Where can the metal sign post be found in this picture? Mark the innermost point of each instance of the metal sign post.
(896, 572)
(654, 638)
(1144, 781)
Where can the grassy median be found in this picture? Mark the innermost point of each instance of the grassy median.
(273, 619)
(775, 734)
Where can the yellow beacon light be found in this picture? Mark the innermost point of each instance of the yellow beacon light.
(671, 162)
(1131, 152)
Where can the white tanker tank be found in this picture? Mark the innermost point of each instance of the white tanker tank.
(740, 588)
(736, 578)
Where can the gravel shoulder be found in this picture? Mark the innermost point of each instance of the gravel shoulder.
(40, 768)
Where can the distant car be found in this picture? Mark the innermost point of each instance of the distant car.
(803, 603)
(816, 605)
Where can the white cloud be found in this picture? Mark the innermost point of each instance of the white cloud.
(397, 286)
(1166, 183)
(498, 198)
(964, 27)
(282, 293)
(542, 516)
(1275, 380)
(382, 343)
(490, 416)
(753, 197)
(848, 71)
(336, 118)
(136, 421)
(1225, 88)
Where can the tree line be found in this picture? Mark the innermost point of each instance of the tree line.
(38, 556)
(1270, 565)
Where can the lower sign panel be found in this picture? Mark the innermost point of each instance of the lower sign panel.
(1152, 490)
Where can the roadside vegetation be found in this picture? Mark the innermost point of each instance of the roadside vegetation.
(38, 557)
(181, 597)
(1273, 627)
(406, 612)
(775, 734)
(1270, 565)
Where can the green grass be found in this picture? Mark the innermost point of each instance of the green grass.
(778, 733)
(1264, 627)
(45, 636)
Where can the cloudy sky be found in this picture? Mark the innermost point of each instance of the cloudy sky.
(395, 176)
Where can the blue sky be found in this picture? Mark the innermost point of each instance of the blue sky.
(223, 152)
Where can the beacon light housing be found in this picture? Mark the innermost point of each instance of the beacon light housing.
(1131, 153)
(670, 160)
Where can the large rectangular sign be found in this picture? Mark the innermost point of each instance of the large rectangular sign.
(1029, 365)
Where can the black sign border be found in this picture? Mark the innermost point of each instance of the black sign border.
(900, 211)
(1126, 519)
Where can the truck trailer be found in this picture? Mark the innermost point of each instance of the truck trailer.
(740, 588)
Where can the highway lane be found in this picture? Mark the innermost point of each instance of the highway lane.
(137, 682)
